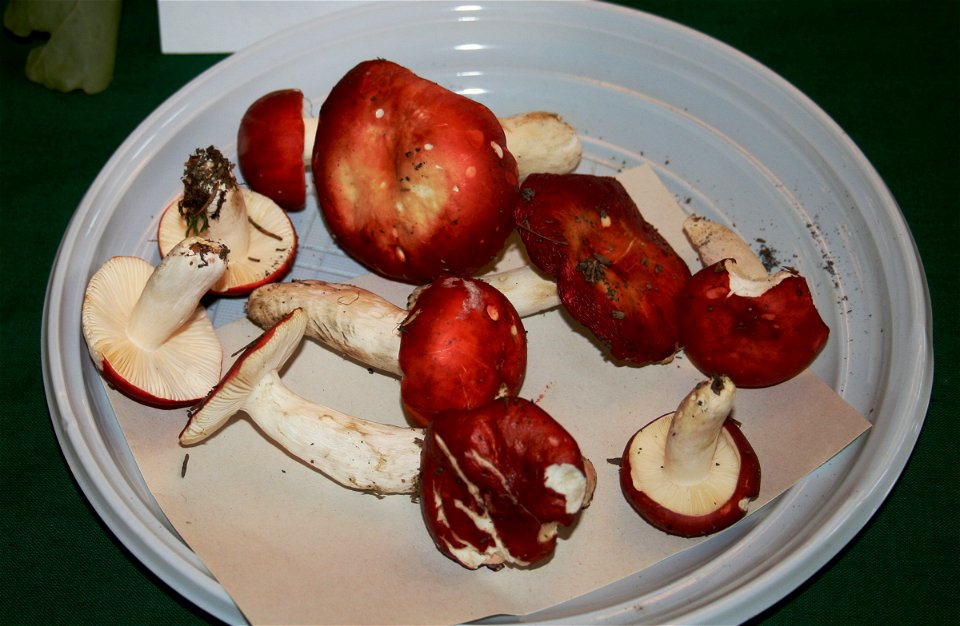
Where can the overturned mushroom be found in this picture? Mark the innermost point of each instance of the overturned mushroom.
(354, 452)
(738, 321)
(692, 472)
(261, 238)
(496, 483)
(145, 328)
(276, 137)
(615, 273)
(460, 345)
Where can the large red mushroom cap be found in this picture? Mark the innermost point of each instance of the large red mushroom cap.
(413, 180)
(615, 273)
(462, 345)
(271, 147)
(497, 481)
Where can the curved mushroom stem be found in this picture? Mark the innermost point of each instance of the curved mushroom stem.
(354, 452)
(363, 325)
(695, 429)
(174, 290)
(357, 453)
(310, 124)
(715, 242)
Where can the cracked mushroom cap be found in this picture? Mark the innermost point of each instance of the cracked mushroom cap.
(497, 481)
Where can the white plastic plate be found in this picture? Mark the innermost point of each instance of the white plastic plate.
(732, 140)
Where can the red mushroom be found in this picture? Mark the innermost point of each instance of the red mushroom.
(524, 472)
(413, 180)
(615, 273)
(738, 321)
(260, 236)
(145, 328)
(276, 137)
(460, 345)
(496, 483)
(274, 145)
(693, 472)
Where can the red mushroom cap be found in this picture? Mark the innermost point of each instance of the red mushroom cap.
(615, 273)
(757, 340)
(413, 180)
(270, 146)
(496, 481)
(462, 346)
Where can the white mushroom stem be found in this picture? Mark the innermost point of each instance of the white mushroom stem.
(715, 242)
(364, 326)
(354, 452)
(357, 453)
(540, 142)
(695, 430)
(174, 290)
(231, 225)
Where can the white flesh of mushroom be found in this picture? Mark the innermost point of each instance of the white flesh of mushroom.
(689, 447)
(363, 325)
(354, 452)
(147, 323)
(715, 242)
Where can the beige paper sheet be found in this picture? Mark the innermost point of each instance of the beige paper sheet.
(290, 546)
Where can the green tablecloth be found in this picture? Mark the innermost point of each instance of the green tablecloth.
(887, 72)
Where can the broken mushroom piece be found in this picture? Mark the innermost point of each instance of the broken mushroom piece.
(145, 328)
(497, 482)
(460, 345)
(615, 273)
(737, 320)
(276, 137)
(274, 145)
(260, 236)
(354, 452)
(412, 179)
(693, 472)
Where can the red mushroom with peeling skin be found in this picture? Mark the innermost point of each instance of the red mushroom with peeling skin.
(260, 236)
(274, 145)
(615, 273)
(276, 137)
(737, 320)
(692, 472)
(460, 345)
(412, 179)
(145, 328)
(536, 476)
(497, 482)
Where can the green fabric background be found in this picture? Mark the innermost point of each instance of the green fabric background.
(887, 72)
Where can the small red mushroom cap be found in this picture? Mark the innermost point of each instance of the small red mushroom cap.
(270, 148)
(759, 335)
(615, 273)
(497, 481)
(462, 345)
(413, 179)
